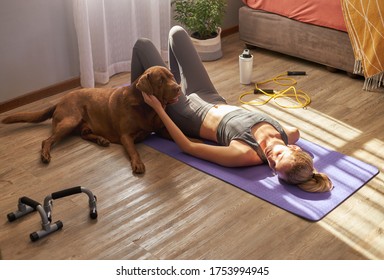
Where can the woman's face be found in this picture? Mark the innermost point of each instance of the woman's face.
(280, 158)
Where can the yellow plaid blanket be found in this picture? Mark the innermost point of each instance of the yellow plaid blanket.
(365, 25)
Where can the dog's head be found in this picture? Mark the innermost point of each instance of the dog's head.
(160, 82)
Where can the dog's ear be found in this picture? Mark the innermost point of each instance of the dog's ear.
(144, 84)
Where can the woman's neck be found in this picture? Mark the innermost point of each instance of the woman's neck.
(266, 135)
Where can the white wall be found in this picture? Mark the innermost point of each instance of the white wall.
(231, 18)
(38, 46)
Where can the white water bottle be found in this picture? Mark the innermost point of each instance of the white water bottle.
(245, 65)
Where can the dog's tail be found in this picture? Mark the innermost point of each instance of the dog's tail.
(31, 117)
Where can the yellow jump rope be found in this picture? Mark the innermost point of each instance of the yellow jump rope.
(301, 98)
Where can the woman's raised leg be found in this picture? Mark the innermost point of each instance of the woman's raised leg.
(144, 56)
(186, 66)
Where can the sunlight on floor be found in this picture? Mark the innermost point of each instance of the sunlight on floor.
(373, 149)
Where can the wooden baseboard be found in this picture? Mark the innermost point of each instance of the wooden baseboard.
(39, 94)
(229, 31)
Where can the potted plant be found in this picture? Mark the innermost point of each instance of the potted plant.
(202, 19)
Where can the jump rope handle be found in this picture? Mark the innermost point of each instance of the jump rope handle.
(296, 73)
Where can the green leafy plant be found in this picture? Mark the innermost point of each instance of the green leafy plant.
(200, 17)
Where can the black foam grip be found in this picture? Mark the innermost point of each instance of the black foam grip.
(93, 214)
(30, 202)
(296, 73)
(34, 236)
(59, 224)
(66, 192)
(11, 217)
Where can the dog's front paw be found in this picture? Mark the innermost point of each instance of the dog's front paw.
(45, 157)
(103, 142)
(138, 167)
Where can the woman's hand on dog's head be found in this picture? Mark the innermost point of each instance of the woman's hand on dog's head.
(152, 101)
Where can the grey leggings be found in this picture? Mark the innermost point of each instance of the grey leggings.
(185, 64)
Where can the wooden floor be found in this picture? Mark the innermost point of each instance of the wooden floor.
(177, 212)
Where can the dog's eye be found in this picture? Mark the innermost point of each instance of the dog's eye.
(161, 81)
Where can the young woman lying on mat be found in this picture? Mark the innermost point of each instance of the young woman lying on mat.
(246, 137)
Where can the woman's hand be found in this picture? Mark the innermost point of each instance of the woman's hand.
(152, 101)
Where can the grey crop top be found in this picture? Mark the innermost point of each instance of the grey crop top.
(189, 112)
(238, 125)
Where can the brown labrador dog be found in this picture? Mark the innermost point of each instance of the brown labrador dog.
(117, 115)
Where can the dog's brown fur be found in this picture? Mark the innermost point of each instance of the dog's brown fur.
(117, 115)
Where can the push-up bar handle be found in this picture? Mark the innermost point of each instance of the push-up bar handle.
(66, 192)
(25, 206)
(30, 202)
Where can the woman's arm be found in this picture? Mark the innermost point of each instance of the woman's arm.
(177, 135)
(233, 155)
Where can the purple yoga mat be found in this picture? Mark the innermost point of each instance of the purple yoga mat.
(347, 174)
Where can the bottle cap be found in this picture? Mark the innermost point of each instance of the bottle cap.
(246, 54)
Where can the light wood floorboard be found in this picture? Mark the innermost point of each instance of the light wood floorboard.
(177, 212)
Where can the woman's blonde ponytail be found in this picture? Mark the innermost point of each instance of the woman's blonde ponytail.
(319, 182)
(303, 174)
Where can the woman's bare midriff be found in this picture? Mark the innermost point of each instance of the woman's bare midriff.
(212, 120)
(214, 116)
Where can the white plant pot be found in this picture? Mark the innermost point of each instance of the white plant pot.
(209, 49)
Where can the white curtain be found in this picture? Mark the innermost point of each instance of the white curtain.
(107, 30)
